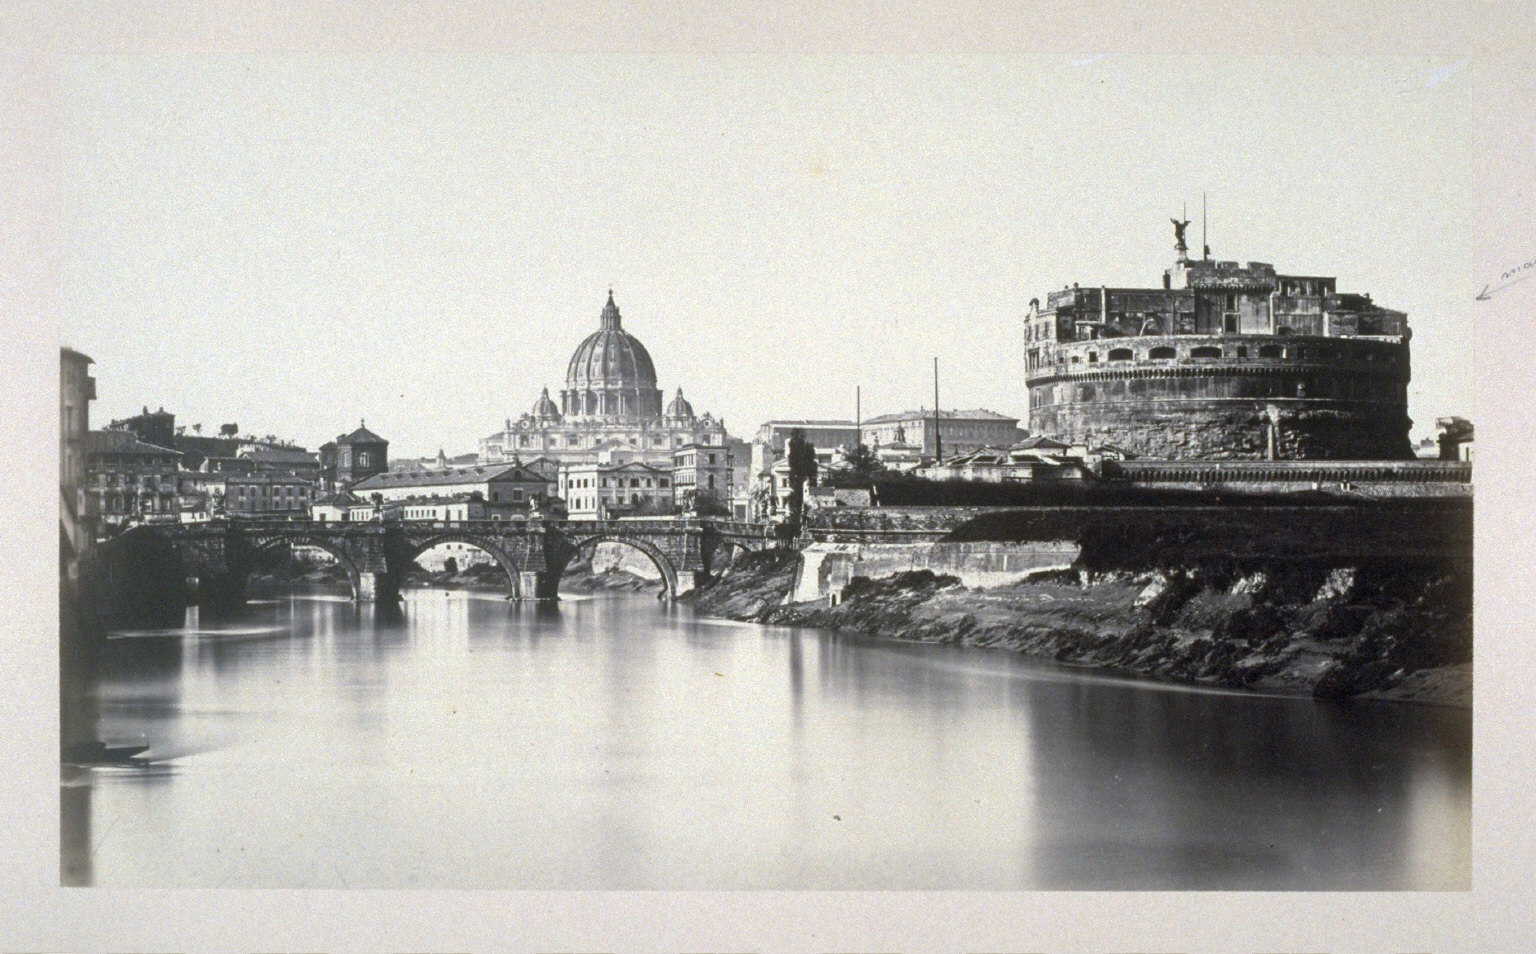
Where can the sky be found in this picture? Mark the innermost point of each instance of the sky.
(297, 243)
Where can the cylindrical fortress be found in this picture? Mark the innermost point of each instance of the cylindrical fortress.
(1225, 362)
(1236, 397)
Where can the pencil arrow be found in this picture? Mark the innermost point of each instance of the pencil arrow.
(1490, 290)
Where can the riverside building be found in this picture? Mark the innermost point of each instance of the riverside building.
(1226, 360)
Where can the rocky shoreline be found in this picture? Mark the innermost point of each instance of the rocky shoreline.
(1387, 629)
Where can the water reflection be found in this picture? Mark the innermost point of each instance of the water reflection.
(619, 743)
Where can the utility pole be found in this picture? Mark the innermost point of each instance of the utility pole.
(938, 441)
(1205, 248)
(858, 413)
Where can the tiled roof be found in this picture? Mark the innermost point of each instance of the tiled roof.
(615, 443)
(279, 455)
(122, 443)
(971, 414)
(454, 498)
(1040, 442)
(361, 436)
(453, 475)
(340, 499)
(636, 466)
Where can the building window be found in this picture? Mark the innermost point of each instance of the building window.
(1163, 353)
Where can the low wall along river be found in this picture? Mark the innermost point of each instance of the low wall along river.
(1338, 602)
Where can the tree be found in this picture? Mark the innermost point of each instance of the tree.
(861, 463)
(197, 428)
(704, 503)
(228, 430)
(802, 468)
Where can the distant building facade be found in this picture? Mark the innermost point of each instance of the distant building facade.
(341, 506)
(505, 488)
(1227, 360)
(151, 427)
(441, 462)
(353, 457)
(266, 493)
(959, 431)
(127, 478)
(618, 481)
(772, 437)
(703, 474)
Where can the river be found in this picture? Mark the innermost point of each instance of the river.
(616, 742)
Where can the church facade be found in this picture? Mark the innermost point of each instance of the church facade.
(610, 396)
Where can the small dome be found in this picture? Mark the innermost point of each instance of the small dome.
(679, 407)
(544, 408)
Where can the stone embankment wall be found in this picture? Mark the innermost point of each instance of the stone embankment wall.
(1374, 601)
(890, 524)
(826, 569)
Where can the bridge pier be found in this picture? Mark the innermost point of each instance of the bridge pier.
(689, 580)
(217, 591)
(536, 585)
(376, 587)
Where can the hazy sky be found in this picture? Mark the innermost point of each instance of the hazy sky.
(297, 242)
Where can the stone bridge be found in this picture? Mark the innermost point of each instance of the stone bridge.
(218, 556)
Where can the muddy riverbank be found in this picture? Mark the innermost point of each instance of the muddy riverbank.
(1396, 629)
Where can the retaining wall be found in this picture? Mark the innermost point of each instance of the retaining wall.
(827, 568)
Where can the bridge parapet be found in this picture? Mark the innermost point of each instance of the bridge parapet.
(378, 555)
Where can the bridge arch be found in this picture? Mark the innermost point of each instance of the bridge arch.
(723, 553)
(660, 559)
(354, 573)
(420, 545)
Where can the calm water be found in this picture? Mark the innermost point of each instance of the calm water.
(616, 742)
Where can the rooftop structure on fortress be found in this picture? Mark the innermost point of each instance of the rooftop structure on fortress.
(1226, 360)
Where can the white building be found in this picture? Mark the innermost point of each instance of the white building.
(600, 490)
(960, 431)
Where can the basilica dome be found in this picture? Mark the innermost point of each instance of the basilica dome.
(611, 374)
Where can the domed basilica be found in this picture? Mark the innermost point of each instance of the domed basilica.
(610, 399)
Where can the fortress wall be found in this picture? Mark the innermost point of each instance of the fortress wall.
(1339, 399)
